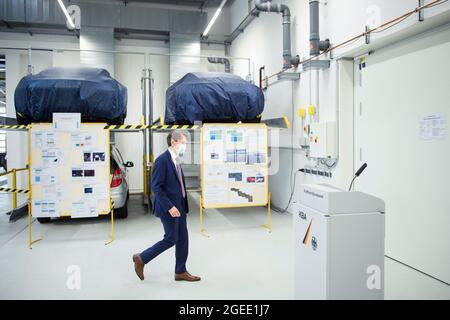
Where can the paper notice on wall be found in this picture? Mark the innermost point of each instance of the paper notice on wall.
(215, 194)
(433, 127)
(235, 136)
(254, 177)
(214, 173)
(66, 121)
(83, 174)
(99, 190)
(50, 157)
(45, 209)
(43, 140)
(89, 175)
(54, 157)
(37, 140)
(49, 140)
(82, 140)
(214, 134)
(55, 191)
(44, 176)
(214, 152)
(84, 209)
(77, 139)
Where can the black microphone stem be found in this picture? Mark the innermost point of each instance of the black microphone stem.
(350, 189)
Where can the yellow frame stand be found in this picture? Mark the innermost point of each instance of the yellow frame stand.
(112, 224)
(268, 225)
(30, 235)
(30, 232)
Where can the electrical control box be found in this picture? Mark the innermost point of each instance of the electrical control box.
(323, 140)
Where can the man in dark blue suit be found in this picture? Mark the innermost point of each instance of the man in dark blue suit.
(171, 206)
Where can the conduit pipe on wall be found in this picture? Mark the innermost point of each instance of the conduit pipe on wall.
(223, 61)
(316, 45)
(268, 6)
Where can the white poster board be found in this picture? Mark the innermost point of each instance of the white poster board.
(234, 165)
(69, 170)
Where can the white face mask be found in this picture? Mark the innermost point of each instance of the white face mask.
(180, 149)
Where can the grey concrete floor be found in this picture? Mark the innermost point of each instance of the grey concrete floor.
(240, 260)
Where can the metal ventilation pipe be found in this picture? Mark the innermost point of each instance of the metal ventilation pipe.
(268, 6)
(224, 61)
(316, 45)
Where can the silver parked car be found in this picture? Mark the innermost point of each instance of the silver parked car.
(119, 184)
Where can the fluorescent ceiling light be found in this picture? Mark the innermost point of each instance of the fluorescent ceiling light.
(214, 18)
(69, 19)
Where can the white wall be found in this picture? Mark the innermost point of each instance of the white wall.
(97, 38)
(340, 20)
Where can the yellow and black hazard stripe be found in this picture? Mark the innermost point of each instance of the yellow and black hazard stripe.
(126, 127)
(175, 126)
(152, 127)
(14, 127)
(11, 190)
(123, 127)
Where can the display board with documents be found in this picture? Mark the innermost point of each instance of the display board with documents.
(69, 166)
(234, 165)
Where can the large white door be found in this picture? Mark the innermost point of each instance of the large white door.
(397, 94)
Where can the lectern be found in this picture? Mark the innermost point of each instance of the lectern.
(339, 244)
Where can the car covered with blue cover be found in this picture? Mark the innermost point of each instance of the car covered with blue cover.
(213, 97)
(89, 91)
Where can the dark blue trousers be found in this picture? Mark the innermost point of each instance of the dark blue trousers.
(175, 234)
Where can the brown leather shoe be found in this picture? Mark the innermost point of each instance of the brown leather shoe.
(138, 266)
(186, 276)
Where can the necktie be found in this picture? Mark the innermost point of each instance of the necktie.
(180, 177)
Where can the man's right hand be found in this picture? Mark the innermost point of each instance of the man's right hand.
(174, 212)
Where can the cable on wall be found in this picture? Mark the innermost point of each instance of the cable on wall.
(383, 27)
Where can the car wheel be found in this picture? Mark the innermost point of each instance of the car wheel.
(121, 213)
(44, 220)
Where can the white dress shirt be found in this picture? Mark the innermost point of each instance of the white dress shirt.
(174, 159)
(174, 156)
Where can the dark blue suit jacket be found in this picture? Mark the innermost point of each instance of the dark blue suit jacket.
(166, 187)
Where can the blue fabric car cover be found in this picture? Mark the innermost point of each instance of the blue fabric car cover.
(212, 96)
(89, 91)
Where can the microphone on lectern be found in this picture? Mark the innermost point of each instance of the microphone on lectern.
(357, 174)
